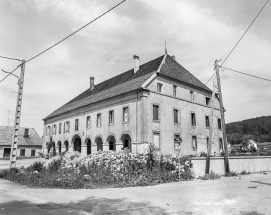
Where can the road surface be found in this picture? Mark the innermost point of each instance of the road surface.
(250, 194)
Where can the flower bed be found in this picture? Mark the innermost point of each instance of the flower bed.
(102, 169)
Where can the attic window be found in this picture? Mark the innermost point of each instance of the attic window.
(207, 99)
(26, 132)
(159, 87)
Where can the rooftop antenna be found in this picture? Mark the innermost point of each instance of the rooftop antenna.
(165, 47)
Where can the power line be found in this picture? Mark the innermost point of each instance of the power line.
(245, 74)
(10, 58)
(76, 31)
(245, 32)
(10, 73)
(63, 39)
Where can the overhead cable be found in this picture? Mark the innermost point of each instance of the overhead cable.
(254, 76)
(245, 32)
(10, 58)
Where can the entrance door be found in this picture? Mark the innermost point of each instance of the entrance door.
(77, 144)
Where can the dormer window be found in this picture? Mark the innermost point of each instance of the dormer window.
(26, 132)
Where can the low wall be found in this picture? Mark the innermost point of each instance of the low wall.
(237, 164)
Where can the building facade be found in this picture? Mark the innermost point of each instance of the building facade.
(158, 102)
(29, 142)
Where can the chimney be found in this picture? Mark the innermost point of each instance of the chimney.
(91, 87)
(26, 132)
(136, 58)
(173, 57)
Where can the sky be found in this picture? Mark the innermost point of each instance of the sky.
(197, 32)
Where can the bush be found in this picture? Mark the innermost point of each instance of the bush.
(211, 176)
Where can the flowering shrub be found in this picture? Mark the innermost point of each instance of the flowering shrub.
(106, 169)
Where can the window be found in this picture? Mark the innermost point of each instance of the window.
(194, 142)
(48, 130)
(155, 113)
(76, 126)
(192, 96)
(33, 151)
(22, 152)
(111, 117)
(219, 123)
(54, 129)
(26, 132)
(88, 122)
(220, 143)
(99, 120)
(156, 140)
(125, 114)
(176, 115)
(193, 119)
(67, 127)
(207, 142)
(159, 87)
(207, 121)
(177, 137)
(174, 90)
(207, 101)
(59, 128)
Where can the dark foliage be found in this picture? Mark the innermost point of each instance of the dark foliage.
(258, 129)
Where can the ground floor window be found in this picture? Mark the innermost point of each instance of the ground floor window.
(156, 140)
(33, 152)
(7, 152)
(22, 152)
(194, 142)
(220, 144)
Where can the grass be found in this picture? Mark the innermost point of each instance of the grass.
(211, 176)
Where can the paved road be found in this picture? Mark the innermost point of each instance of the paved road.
(250, 194)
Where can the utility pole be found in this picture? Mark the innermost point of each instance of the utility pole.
(226, 154)
(15, 138)
(209, 146)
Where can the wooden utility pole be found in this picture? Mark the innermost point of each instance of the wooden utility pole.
(15, 138)
(226, 154)
(209, 146)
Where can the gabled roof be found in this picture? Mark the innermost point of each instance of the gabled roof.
(6, 135)
(130, 81)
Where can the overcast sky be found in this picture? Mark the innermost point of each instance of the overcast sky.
(197, 32)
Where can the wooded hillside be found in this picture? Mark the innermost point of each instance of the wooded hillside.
(258, 129)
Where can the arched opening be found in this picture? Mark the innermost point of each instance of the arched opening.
(111, 142)
(48, 147)
(54, 148)
(77, 143)
(66, 144)
(59, 146)
(99, 143)
(88, 143)
(126, 140)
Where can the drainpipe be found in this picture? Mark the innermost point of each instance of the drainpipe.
(136, 117)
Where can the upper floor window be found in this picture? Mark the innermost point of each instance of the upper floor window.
(174, 90)
(67, 127)
(111, 117)
(219, 123)
(194, 142)
(176, 115)
(155, 112)
(125, 114)
(48, 132)
(192, 97)
(207, 101)
(76, 126)
(54, 129)
(193, 119)
(99, 120)
(59, 128)
(88, 122)
(207, 142)
(207, 121)
(159, 87)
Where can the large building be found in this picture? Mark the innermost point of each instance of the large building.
(29, 142)
(156, 102)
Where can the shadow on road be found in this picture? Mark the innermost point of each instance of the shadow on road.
(93, 206)
(259, 182)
